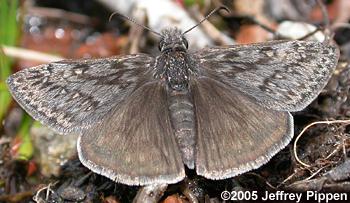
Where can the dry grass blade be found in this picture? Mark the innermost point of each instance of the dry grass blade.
(29, 54)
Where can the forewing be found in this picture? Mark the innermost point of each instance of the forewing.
(235, 134)
(70, 95)
(281, 75)
(135, 144)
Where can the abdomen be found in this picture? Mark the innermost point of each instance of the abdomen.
(183, 121)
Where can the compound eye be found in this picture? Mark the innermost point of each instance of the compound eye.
(185, 42)
(160, 44)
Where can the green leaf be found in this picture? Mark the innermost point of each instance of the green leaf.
(26, 148)
(188, 3)
(9, 28)
(9, 33)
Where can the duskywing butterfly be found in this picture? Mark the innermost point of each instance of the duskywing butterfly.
(221, 111)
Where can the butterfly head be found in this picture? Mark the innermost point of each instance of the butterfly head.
(172, 40)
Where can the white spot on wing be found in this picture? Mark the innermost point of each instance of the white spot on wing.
(78, 71)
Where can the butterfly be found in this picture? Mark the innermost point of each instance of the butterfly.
(221, 111)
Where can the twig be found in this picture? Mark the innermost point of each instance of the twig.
(333, 152)
(260, 24)
(288, 178)
(344, 147)
(324, 13)
(302, 132)
(328, 33)
(48, 190)
(135, 33)
(315, 173)
(341, 25)
(211, 30)
(266, 182)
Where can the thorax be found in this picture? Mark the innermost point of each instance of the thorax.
(176, 68)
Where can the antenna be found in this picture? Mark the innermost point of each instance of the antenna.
(133, 21)
(206, 17)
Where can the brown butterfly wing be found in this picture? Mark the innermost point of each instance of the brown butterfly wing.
(135, 145)
(71, 95)
(279, 75)
(235, 134)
